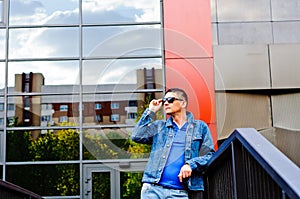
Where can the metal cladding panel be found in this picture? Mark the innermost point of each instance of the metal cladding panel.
(287, 141)
(285, 10)
(285, 62)
(239, 67)
(245, 33)
(286, 111)
(286, 32)
(240, 110)
(215, 40)
(237, 10)
(187, 27)
(213, 9)
(194, 76)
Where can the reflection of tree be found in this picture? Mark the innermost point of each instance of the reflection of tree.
(132, 181)
(56, 179)
(63, 179)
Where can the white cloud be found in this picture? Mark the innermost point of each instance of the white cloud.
(53, 42)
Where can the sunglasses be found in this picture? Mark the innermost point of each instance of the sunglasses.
(170, 99)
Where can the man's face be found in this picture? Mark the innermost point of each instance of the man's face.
(173, 103)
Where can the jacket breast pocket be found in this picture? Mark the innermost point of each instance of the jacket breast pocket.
(196, 143)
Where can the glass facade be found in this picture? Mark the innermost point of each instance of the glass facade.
(74, 78)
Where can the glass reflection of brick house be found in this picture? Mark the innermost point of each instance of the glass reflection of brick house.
(53, 105)
(28, 107)
(102, 104)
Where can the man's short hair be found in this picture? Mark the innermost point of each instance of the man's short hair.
(179, 92)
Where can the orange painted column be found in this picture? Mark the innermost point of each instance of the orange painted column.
(189, 57)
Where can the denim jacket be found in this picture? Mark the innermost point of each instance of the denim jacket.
(199, 147)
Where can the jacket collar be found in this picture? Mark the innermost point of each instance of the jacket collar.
(190, 119)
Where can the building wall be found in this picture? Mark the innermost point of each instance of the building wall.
(188, 56)
(256, 57)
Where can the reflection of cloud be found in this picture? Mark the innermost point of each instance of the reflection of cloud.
(61, 42)
(55, 73)
(26, 8)
(26, 12)
(136, 42)
(147, 9)
(123, 41)
(115, 71)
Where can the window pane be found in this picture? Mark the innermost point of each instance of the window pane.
(63, 107)
(111, 143)
(2, 114)
(114, 105)
(120, 11)
(2, 44)
(122, 71)
(32, 110)
(1, 12)
(101, 185)
(43, 42)
(43, 12)
(2, 77)
(46, 180)
(131, 184)
(11, 107)
(1, 146)
(98, 106)
(115, 117)
(45, 74)
(31, 145)
(122, 41)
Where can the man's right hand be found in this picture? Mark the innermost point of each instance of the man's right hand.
(155, 105)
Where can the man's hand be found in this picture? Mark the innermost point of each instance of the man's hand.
(185, 172)
(155, 105)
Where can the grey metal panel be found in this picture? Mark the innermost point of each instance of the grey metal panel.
(241, 67)
(285, 10)
(245, 33)
(241, 110)
(286, 32)
(286, 111)
(214, 34)
(285, 65)
(287, 141)
(237, 10)
(213, 10)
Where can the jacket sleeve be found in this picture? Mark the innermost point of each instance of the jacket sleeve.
(145, 129)
(206, 150)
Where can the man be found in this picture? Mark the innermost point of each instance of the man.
(181, 147)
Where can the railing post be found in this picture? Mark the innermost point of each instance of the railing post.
(238, 172)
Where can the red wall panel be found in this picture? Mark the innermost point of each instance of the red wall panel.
(188, 55)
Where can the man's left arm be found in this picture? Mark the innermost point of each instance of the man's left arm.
(206, 151)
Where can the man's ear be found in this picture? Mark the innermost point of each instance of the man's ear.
(184, 104)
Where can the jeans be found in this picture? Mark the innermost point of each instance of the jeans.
(151, 191)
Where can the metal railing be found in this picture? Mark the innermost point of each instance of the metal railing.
(247, 166)
(11, 191)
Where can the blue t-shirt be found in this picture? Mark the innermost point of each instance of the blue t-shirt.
(175, 160)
